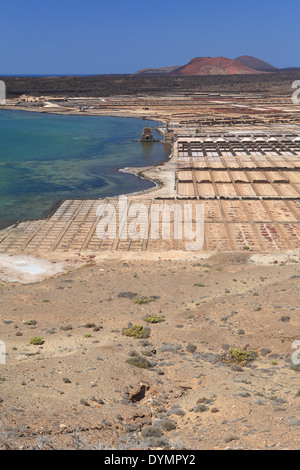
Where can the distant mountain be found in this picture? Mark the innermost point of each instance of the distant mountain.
(219, 66)
(214, 66)
(290, 70)
(256, 64)
(157, 71)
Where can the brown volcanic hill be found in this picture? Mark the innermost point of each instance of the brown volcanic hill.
(214, 66)
(256, 64)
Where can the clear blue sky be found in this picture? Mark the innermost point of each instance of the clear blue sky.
(123, 36)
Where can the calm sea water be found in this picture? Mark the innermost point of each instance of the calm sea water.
(45, 158)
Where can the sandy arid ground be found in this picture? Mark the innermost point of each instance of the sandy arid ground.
(77, 390)
(219, 366)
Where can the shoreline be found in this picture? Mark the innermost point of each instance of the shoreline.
(55, 111)
(215, 369)
(249, 188)
(136, 171)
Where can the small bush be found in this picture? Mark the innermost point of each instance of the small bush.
(230, 438)
(154, 319)
(154, 442)
(200, 408)
(127, 295)
(191, 348)
(239, 356)
(144, 300)
(146, 352)
(140, 362)
(137, 331)
(151, 431)
(37, 340)
(66, 328)
(167, 424)
(285, 318)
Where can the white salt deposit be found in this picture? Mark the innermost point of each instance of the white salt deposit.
(26, 269)
(271, 258)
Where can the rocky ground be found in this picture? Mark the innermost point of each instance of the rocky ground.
(218, 369)
(112, 85)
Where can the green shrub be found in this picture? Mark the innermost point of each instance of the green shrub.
(30, 322)
(238, 356)
(137, 331)
(37, 340)
(144, 300)
(140, 362)
(154, 319)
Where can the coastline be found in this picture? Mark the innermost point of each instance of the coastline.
(67, 112)
(136, 171)
(246, 205)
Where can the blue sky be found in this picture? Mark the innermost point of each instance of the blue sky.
(119, 36)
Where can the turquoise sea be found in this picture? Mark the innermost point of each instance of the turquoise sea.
(45, 158)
